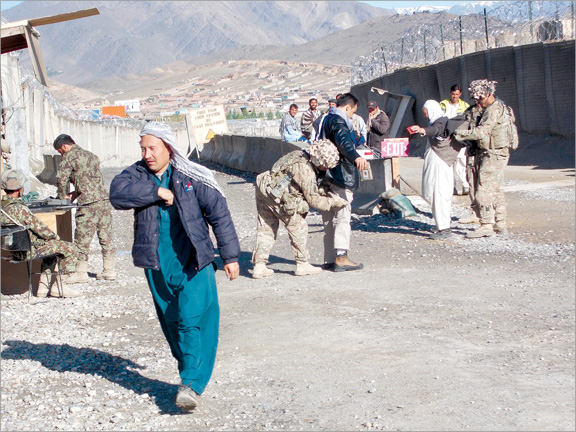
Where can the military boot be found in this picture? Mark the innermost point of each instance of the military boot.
(304, 268)
(484, 230)
(343, 263)
(64, 291)
(500, 228)
(472, 219)
(109, 273)
(44, 284)
(80, 275)
(261, 271)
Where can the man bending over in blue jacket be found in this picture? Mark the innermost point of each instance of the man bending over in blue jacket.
(174, 201)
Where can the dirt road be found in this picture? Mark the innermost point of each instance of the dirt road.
(431, 335)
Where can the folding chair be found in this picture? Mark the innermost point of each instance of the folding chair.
(16, 240)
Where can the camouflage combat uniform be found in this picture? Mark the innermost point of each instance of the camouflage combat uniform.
(492, 156)
(292, 206)
(44, 240)
(473, 115)
(82, 169)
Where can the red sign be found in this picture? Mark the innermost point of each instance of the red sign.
(394, 147)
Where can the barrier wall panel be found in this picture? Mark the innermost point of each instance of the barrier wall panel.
(503, 72)
(532, 88)
(218, 148)
(227, 150)
(255, 150)
(560, 90)
(239, 152)
(208, 150)
(272, 152)
(448, 74)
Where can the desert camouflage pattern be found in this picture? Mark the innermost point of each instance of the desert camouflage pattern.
(81, 168)
(44, 240)
(490, 188)
(291, 208)
(490, 162)
(491, 134)
(94, 219)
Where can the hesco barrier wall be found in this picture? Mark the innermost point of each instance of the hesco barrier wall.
(536, 80)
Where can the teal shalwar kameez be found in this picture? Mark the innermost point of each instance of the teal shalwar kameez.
(186, 299)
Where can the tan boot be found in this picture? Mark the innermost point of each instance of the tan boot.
(63, 290)
(108, 273)
(44, 284)
(343, 263)
(261, 271)
(80, 275)
(500, 228)
(472, 219)
(304, 268)
(484, 230)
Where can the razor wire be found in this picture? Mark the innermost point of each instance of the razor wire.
(511, 24)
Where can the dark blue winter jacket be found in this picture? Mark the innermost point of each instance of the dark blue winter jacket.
(198, 206)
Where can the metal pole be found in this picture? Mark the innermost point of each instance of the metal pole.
(402, 53)
(486, 29)
(384, 60)
(531, 23)
(461, 46)
(442, 39)
(424, 47)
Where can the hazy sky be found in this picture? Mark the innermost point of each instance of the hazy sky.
(384, 4)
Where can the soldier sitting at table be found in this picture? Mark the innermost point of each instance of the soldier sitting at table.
(44, 240)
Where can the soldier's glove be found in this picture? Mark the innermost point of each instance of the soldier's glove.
(339, 202)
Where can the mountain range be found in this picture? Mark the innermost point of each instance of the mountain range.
(136, 36)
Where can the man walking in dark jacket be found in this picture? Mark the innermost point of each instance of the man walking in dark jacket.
(378, 127)
(343, 180)
(174, 200)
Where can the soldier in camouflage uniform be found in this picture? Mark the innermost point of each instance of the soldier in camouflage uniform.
(44, 240)
(285, 194)
(473, 115)
(82, 168)
(493, 153)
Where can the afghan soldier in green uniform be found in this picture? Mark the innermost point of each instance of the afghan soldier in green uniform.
(82, 168)
(285, 194)
(44, 240)
(493, 153)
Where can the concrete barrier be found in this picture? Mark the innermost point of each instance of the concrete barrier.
(226, 154)
(238, 152)
(272, 152)
(255, 148)
(208, 150)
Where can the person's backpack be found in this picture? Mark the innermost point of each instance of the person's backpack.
(511, 128)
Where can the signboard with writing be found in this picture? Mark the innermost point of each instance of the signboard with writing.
(394, 147)
(204, 123)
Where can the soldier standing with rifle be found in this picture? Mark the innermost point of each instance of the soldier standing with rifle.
(82, 168)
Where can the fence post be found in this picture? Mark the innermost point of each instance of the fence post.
(486, 29)
(442, 39)
(461, 45)
(401, 52)
(531, 23)
(424, 47)
(384, 60)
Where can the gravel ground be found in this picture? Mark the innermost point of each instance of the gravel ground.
(450, 335)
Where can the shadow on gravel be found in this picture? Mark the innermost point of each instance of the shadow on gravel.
(66, 358)
(391, 224)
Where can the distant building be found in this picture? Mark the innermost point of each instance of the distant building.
(131, 106)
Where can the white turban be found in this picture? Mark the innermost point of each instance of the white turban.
(177, 159)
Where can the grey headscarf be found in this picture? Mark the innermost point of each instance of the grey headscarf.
(177, 159)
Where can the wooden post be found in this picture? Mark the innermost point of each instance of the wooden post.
(395, 162)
